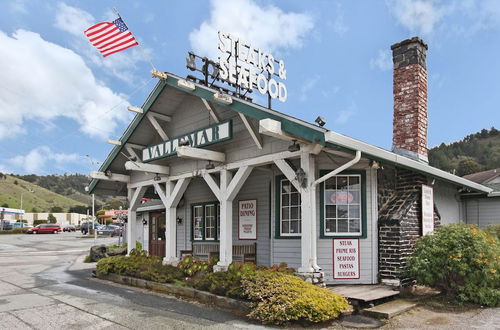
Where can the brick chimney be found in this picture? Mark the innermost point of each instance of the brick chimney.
(410, 99)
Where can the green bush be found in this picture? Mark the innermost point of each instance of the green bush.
(279, 298)
(460, 260)
(148, 268)
(493, 230)
(14, 231)
(38, 222)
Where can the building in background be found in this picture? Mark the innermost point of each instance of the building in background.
(61, 218)
(480, 209)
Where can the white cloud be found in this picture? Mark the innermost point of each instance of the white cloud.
(37, 159)
(346, 114)
(72, 19)
(307, 86)
(17, 6)
(269, 27)
(75, 21)
(419, 16)
(383, 61)
(42, 81)
(339, 26)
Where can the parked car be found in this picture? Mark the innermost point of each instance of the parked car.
(86, 226)
(109, 230)
(46, 228)
(69, 228)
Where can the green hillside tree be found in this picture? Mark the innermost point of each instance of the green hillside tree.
(51, 218)
(468, 165)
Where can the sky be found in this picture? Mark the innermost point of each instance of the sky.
(60, 100)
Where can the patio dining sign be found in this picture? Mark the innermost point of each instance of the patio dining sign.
(203, 137)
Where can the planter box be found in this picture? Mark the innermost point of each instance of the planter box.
(229, 304)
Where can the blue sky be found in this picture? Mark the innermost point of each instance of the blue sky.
(60, 100)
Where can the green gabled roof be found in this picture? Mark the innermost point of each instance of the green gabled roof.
(290, 124)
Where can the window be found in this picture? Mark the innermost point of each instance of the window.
(289, 209)
(343, 205)
(206, 221)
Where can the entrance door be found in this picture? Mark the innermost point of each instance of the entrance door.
(157, 234)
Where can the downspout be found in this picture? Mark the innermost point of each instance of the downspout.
(338, 169)
(324, 178)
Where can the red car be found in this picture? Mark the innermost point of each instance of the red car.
(45, 229)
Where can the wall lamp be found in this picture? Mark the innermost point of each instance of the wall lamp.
(294, 146)
(320, 121)
(179, 220)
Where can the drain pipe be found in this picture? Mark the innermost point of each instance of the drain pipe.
(339, 169)
(324, 178)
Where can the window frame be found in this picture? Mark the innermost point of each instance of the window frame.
(278, 222)
(203, 221)
(363, 203)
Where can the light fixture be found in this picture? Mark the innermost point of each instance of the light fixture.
(179, 220)
(374, 164)
(144, 221)
(184, 143)
(159, 74)
(294, 146)
(223, 98)
(135, 109)
(320, 121)
(433, 182)
(209, 166)
(190, 61)
(157, 177)
(301, 177)
(189, 85)
(115, 142)
(108, 173)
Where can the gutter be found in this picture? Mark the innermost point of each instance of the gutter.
(382, 155)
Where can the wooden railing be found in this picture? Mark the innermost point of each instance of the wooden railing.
(205, 251)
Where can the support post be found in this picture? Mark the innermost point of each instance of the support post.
(226, 224)
(134, 198)
(170, 198)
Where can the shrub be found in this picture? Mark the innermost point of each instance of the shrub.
(148, 268)
(493, 230)
(460, 260)
(38, 222)
(279, 298)
(14, 231)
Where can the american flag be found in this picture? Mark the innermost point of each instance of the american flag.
(110, 38)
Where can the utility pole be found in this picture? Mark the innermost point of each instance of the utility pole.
(93, 219)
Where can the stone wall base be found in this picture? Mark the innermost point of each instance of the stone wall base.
(316, 278)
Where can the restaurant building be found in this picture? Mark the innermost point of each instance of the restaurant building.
(242, 182)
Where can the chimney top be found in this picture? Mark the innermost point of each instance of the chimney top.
(408, 52)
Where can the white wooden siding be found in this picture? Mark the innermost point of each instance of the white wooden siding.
(482, 211)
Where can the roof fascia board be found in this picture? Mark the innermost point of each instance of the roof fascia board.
(160, 85)
(385, 156)
(293, 125)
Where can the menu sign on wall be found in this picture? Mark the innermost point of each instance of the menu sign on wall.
(345, 259)
(247, 219)
(427, 210)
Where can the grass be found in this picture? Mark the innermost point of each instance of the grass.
(41, 199)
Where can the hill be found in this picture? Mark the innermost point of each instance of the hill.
(35, 198)
(474, 153)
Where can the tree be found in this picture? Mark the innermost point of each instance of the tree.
(468, 165)
(114, 204)
(81, 209)
(51, 218)
(56, 209)
(34, 210)
(5, 205)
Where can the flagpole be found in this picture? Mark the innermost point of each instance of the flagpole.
(146, 56)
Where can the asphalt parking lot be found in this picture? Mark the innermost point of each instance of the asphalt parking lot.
(45, 285)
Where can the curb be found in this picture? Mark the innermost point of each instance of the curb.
(229, 304)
